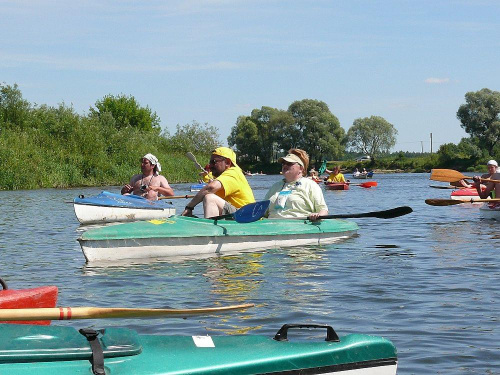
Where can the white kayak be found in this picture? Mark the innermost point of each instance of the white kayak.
(108, 207)
(490, 211)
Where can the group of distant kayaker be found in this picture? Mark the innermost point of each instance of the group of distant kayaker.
(227, 189)
(295, 195)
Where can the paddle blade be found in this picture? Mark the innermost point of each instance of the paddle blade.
(447, 175)
(387, 214)
(251, 212)
(443, 202)
(191, 157)
(368, 184)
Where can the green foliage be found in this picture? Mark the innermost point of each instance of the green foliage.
(371, 136)
(14, 110)
(320, 132)
(196, 138)
(127, 112)
(307, 124)
(55, 147)
(480, 117)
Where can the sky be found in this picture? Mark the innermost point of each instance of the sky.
(211, 61)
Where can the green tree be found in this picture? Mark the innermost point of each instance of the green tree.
(316, 130)
(127, 112)
(14, 110)
(480, 117)
(371, 136)
(195, 137)
(244, 137)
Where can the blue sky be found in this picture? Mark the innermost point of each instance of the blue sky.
(410, 62)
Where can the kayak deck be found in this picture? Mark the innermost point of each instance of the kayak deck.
(109, 207)
(63, 350)
(186, 236)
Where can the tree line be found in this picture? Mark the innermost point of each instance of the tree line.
(45, 146)
(308, 124)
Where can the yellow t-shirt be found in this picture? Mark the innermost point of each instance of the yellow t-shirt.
(338, 178)
(208, 177)
(235, 188)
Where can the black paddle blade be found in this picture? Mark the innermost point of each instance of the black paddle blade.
(394, 212)
(387, 214)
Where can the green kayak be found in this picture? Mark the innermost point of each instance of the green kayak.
(50, 350)
(184, 236)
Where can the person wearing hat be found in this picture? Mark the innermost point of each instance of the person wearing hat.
(492, 166)
(335, 175)
(227, 192)
(149, 183)
(296, 195)
(491, 187)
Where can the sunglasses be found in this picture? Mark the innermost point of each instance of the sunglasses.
(215, 161)
(287, 163)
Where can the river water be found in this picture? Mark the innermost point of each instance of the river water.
(428, 281)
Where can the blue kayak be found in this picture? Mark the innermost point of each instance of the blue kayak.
(109, 207)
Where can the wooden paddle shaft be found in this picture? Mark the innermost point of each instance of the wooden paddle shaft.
(177, 197)
(451, 202)
(68, 313)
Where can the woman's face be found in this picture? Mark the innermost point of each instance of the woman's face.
(291, 171)
(491, 168)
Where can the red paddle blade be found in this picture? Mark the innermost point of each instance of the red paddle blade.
(369, 184)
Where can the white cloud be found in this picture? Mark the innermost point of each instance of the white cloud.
(438, 81)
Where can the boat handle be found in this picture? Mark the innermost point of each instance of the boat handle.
(3, 284)
(331, 335)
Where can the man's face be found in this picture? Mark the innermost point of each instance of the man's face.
(491, 168)
(146, 166)
(218, 165)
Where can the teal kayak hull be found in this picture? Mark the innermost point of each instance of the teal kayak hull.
(186, 236)
(49, 350)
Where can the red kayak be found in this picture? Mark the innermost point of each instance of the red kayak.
(465, 193)
(45, 296)
(336, 186)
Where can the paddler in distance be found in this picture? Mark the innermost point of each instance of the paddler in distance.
(335, 175)
(492, 166)
(295, 195)
(491, 187)
(149, 183)
(227, 192)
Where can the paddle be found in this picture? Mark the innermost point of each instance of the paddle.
(177, 197)
(68, 313)
(450, 175)
(387, 214)
(446, 187)
(322, 168)
(248, 213)
(451, 202)
(368, 184)
(191, 157)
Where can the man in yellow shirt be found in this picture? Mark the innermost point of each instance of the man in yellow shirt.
(336, 176)
(227, 192)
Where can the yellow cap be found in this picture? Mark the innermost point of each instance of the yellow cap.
(227, 153)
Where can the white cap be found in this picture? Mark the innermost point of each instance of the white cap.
(492, 162)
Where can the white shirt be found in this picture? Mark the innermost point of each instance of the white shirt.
(295, 199)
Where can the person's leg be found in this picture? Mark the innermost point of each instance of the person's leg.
(213, 205)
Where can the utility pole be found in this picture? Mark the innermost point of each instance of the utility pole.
(431, 143)
(422, 144)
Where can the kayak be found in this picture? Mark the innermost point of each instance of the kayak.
(185, 236)
(490, 211)
(197, 187)
(336, 186)
(465, 193)
(109, 207)
(65, 351)
(45, 296)
(361, 175)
